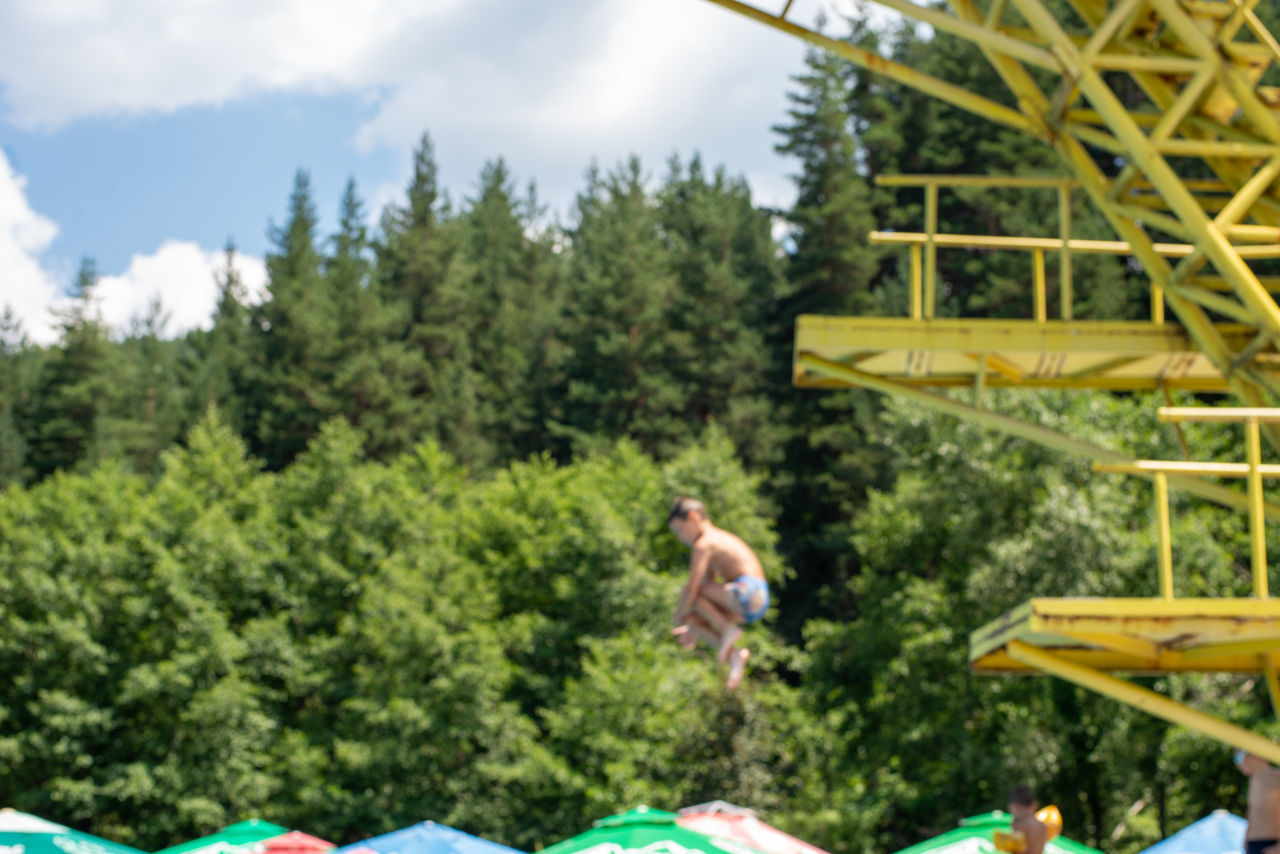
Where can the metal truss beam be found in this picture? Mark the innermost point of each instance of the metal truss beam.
(1146, 700)
(850, 377)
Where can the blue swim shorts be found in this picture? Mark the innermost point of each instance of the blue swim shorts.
(753, 596)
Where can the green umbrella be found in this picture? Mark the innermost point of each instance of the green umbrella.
(644, 831)
(973, 836)
(230, 840)
(21, 833)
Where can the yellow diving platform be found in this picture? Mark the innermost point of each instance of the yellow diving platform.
(1042, 351)
(945, 352)
(1134, 636)
(1085, 641)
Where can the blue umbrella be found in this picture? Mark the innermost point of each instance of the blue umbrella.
(1216, 833)
(426, 838)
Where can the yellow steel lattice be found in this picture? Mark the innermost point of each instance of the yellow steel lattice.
(1198, 64)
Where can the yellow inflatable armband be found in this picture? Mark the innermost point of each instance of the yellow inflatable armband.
(1010, 841)
(1051, 819)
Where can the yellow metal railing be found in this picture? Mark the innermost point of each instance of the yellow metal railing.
(1253, 470)
(924, 247)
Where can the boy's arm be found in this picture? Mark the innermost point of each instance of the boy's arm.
(698, 563)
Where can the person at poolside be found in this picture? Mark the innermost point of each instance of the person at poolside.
(1263, 804)
(1028, 832)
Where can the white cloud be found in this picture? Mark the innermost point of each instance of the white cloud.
(587, 73)
(595, 80)
(66, 59)
(568, 74)
(549, 85)
(180, 274)
(183, 277)
(25, 285)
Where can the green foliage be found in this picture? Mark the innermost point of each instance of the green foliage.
(226, 641)
(350, 644)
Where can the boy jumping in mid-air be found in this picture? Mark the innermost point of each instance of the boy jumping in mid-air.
(726, 587)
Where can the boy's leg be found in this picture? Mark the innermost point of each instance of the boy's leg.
(700, 629)
(721, 620)
(737, 667)
(724, 597)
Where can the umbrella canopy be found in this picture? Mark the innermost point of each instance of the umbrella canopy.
(741, 825)
(973, 836)
(21, 833)
(1216, 833)
(647, 831)
(230, 840)
(293, 842)
(426, 838)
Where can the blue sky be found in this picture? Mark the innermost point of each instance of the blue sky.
(145, 134)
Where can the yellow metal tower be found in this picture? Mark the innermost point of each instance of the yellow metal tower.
(1198, 64)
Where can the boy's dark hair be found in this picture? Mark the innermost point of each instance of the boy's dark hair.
(1022, 796)
(684, 506)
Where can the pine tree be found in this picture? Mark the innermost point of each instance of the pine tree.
(347, 267)
(509, 310)
(412, 255)
(297, 336)
(728, 277)
(831, 267)
(618, 378)
(831, 456)
(17, 371)
(377, 371)
(544, 265)
(424, 276)
(63, 426)
(148, 410)
(221, 360)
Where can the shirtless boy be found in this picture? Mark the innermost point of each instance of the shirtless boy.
(726, 587)
(1022, 806)
(1263, 813)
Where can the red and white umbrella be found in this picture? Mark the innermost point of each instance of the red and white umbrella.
(742, 826)
(293, 842)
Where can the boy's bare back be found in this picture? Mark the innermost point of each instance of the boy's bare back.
(1034, 831)
(1264, 802)
(728, 557)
